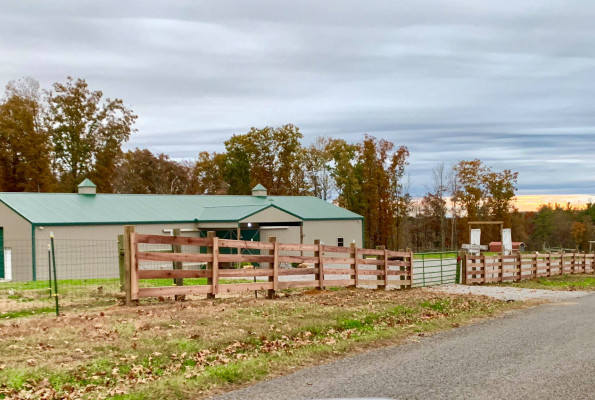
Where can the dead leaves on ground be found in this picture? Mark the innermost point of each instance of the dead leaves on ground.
(133, 366)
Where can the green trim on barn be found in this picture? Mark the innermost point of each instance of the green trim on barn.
(33, 254)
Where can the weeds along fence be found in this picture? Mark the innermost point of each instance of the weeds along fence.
(279, 266)
(517, 267)
(87, 271)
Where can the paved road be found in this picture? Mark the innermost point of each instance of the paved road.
(543, 353)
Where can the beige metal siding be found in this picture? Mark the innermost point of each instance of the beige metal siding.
(329, 231)
(17, 237)
(290, 234)
(271, 214)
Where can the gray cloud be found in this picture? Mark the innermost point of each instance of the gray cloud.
(510, 82)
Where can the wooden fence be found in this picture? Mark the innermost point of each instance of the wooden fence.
(321, 261)
(516, 267)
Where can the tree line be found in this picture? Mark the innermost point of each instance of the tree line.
(50, 140)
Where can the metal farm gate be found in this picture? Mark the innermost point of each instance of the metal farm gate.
(436, 268)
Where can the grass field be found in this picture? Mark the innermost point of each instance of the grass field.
(28, 298)
(196, 348)
(559, 282)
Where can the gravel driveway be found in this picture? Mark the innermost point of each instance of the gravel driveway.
(509, 293)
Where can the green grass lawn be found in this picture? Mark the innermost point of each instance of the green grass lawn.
(67, 284)
(432, 256)
(560, 282)
(20, 299)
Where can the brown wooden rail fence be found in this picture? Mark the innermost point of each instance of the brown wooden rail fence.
(516, 267)
(323, 261)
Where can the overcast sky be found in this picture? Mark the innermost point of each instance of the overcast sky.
(509, 82)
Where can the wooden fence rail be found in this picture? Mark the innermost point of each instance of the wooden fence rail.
(516, 267)
(323, 262)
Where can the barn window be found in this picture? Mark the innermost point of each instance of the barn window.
(340, 242)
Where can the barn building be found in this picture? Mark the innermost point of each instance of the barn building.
(516, 247)
(85, 222)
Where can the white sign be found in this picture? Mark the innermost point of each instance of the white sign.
(475, 240)
(475, 247)
(507, 241)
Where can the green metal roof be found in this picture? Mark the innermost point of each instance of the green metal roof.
(259, 187)
(87, 183)
(77, 209)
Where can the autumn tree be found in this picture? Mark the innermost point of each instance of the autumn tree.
(209, 172)
(435, 200)
(87, 132)
(140, 171)
(270, 156)
(455, 208)
(499, 191)
(318, 165)
(471, 192)
(374, 176)
(483, 193)
(24, 145)
(344, 173)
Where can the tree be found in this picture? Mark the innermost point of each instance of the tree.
(318, 166)
(371, 185)
(453, 188)
(24, 145)
(87, 133)
(140, 171)
(470, 193)
(500, 188)
(209, 172)
(347, 183)
(437, 197)
(581, 232)
(270, 156)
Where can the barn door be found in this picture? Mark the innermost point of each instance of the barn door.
(2, 272)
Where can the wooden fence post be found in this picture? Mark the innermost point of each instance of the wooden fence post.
(549, 264)
(484, 268)
(210, 265)
(463, 269)
(355, 265)
(410, 269)
(574, 262)
(321, 266)
(385, 270)
(121, 263)
(562, 266)
(275, 268)
(215, 266)
(317, 262)
(379, 267)
(176, 248)
(130, 265)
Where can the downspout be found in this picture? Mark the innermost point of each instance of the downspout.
(33, 254)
